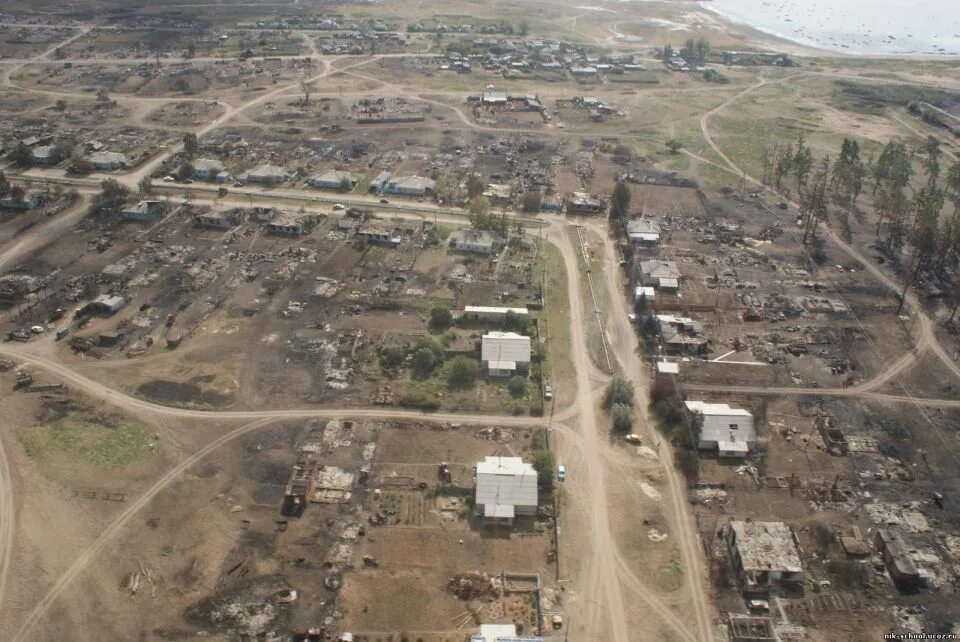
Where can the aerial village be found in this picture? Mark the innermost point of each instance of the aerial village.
(380, 323)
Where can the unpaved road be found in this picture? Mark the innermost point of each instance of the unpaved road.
(8, 515)
(136, 406)
(109, 532)
(604, 606)
(624, 346)
(41, 235)
(927, 339)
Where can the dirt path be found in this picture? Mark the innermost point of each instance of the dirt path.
(44, 234)
(134, 405)
(604, 604)
(626, 350)
(8, 524)
(927, 339)
(110, 531)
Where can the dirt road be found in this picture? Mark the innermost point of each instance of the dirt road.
(603, 609)
(140, 407)
(8, 515)
(42, 235)
(111, 530)
(625, 348)
(927, 339)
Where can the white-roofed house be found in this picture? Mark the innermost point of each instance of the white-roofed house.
(505, 354)
(410, 186)
(506, 488)
(501, 633)
(334, 179)
(108, 160)
(476, 241)
(644, 293)
(207, 169)
(267, 174)
(727, 430)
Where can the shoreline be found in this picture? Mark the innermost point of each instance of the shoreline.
(812, 49)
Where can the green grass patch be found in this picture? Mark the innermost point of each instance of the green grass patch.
(99, 441)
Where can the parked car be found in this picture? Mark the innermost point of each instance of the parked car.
(62, 332)
(561, 473)
(547, 392)
(384, 201)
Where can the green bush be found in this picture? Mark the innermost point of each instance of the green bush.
(390, 357)
(543, 464)
(517, 386)
(463, 372)
(440, 318)
(423, 363)
(419, 399)
(621, 418)
(619, 392)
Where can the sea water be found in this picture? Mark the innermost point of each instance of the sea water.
(853, 26)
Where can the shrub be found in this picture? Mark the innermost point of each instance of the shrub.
(463, 372)
(390, 357)
(440, 318)
(543, 464)
(517, 386)
(423, 363)
(619, 392)
(419, 399)
(621, 417)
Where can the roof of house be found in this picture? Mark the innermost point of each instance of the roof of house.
(500, 633)
(506, 481)
(108, 158)
(766, 546)
(474, 237)
(583, 198)
(645, 291)
(490, 96)
(334, 176)
(505, 346)
(269, 171)
(413, 183)
(486, 309)
(668, 367)
(143, 207)
(721, 423)
(643, 229)
(207, 165)
(112, 301)
(658, 269)
(45, 151)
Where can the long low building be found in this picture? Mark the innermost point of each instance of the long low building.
(488, 313)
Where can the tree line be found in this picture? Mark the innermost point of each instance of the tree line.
(910, 189)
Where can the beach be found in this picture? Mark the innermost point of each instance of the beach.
(870, 27)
